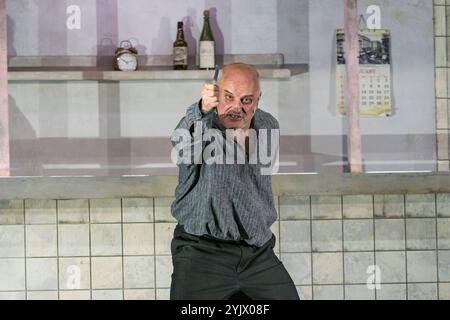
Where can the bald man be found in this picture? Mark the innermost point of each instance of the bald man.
(223, 244)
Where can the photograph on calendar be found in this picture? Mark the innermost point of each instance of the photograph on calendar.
(374, 46)
(374, 72)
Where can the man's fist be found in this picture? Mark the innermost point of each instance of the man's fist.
(210, 97)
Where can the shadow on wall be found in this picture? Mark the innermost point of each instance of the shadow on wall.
(218, 36)
(24, 147)
(107, 32)
(164, 34)
(11, 29)
(191, 27)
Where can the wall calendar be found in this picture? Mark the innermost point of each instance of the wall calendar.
(374, 72)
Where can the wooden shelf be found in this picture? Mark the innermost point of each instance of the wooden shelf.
(144, 73)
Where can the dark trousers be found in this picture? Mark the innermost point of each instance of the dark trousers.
(210, 269)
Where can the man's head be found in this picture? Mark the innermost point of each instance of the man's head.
(239, 93)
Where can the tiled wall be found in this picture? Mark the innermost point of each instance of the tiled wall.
(120, 248)
(442, 64)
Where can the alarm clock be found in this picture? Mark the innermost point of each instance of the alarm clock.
(126, 57)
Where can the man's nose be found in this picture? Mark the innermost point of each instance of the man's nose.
(236, 105)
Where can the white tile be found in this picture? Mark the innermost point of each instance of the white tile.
(389, 206)
(139, 272)
(295, 208)
(441, 83)
(73, 240)
(326, 207)
(420, 234)
(39, 211)
(163, 237)
(356, 265)
(420, 205)
(295, 236)
(359, 292)
(74, 273)
(73, 211)
(392, 266)
(443, 165)
(107, 295)
(42, 274)
(442, 113)
(440, 21)
(444, 265)
(12, 295)
(106, 239)
(139, 294)
(12, 238)
(137, 209)
(421, 266)
(162, 294)
(390, 234)
(358, 235)
(41, 241)
(440, 51)
(304, 292)
(443, 205)
(392, 292)
(138, 239)
(164, 269)
(12, 274)
(105, 210)
(42, 295)
(106, 272)
(443, 229)
(322, 273)
(163, 211)
(444, 291)
(442, 144)
(75, 295)
(333, 292)
(12, 212)
(357, 206)
(327, 235)
(298, 265)
(422, 291)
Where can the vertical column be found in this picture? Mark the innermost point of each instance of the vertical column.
(352, 87)
(4, 132)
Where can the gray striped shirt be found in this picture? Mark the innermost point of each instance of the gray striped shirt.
(224, 201)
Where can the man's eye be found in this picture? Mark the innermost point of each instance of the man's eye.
(247, 100)
(228, 97)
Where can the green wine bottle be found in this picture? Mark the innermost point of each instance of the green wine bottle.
(207, 44)
(180, 49)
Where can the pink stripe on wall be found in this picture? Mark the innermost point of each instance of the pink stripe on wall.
(352, 88)
(4, 131)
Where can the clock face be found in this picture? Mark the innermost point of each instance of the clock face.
(127, 62)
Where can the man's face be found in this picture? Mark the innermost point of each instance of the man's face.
(238, 100)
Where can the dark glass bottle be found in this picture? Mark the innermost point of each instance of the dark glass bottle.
(207, 44)
(180, 50)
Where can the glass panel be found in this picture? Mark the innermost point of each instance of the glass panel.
(101, 123)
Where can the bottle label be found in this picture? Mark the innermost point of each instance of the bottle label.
(180, 56)
(207, 54)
